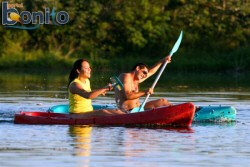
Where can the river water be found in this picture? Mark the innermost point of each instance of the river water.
(206, 144)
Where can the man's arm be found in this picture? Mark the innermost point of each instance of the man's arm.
(155, 67)
(128, 92)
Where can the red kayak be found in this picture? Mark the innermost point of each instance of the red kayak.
(176, 115)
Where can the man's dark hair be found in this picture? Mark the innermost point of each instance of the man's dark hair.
(141, 66)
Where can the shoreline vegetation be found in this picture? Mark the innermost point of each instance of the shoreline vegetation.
(195, 61)
(114, 35)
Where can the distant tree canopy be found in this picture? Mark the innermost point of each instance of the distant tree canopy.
(111, 28)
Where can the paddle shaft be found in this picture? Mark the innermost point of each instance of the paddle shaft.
(174, 49)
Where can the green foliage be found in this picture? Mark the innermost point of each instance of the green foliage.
(105, 31)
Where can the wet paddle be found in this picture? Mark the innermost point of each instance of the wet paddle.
(174, 49)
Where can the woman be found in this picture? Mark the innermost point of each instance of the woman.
(80, 93)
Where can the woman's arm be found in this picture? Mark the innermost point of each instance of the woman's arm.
(76, 88)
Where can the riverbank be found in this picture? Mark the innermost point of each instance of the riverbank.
(170, 81)
(235, 61)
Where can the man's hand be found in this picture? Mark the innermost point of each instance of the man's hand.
(149, 91)
(168, 59)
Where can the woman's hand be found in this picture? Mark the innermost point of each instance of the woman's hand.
(110, 87)
(107, 88)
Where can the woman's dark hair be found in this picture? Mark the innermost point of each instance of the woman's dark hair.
(141, 66)
(73, 74)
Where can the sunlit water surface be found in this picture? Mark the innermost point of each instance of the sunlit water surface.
(210, 144)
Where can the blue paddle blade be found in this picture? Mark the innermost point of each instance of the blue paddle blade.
(137, 109)
(177, 44)
(116, 83)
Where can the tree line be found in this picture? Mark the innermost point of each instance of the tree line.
(106, 30)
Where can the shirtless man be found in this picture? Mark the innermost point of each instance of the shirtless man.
(129, 97)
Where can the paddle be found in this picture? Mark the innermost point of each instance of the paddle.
(116, 83)
(174, 49)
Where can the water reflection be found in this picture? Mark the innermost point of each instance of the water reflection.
(118, 141)
(173, 81)
(82, 139)
(222, 124)
(163, 128)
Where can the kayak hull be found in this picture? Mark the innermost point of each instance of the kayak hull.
(209, 113)
(177, 115)
(215, 114)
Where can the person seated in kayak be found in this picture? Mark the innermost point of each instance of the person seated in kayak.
(80, 93)
(129, 97)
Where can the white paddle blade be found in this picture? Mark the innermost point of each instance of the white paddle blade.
(177, 44)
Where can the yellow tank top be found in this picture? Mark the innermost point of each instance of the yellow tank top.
(77, 103)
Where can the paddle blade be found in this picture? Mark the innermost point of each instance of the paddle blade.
(137, 109)
(176, 45)
(116, 83)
